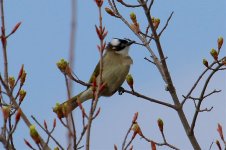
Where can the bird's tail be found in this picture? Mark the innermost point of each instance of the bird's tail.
(68, 106)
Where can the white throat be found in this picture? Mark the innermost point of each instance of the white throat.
(123, 52)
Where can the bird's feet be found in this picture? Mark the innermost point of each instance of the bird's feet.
(121, 90)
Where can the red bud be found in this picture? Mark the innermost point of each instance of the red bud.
(115, 147)
(220, 131)
(160, 124)
(218, 145)
(45, 125)
(28, 144)
(135, 117)
(54, 123)
(153, 145)
(16, 27)
(18, 115)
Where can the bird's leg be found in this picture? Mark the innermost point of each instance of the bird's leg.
(121, 90)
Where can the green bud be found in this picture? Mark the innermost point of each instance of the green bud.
(34, 134)
(62, 65)
(129, 80)
(205, 62)
(133, 16)
(214, 53)
(220, 42)
(160, 124)
(11, 82)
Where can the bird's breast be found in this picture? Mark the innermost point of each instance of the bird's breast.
(114, 74)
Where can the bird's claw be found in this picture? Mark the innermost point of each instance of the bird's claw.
(120, 90)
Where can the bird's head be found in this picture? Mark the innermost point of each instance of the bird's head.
(120, 46)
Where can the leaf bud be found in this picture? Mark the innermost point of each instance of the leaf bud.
(18, 115)
(23, 77)
(109, 11)
(205, 62)
(136, 129)
(160, 124)
(5, 112)
(129, 80)
(220, 42)
(133, 17)
(62, 65)
(11, 82)
(214, 54)
(34, 134)
(22, 94)
(58, 110)
(16, 27)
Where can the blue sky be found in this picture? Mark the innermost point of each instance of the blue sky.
(43, 39)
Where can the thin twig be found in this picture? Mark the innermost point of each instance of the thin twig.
(128, 5)
(161, 102)
(167, 22)
(127, 133)
(4, 43)
(97, 92)
(47, 132)
(201, 97)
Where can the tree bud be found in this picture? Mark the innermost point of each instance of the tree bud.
(218, 145)
(58, 110)
(135, 117)
(214, 54)
(62, 65)
(220, 131)
(109, 11)
(23, 77)
(34, 134)
(160, 124)
(133, 17)
(129, 80)
(205, 62)
(156, 22)
(136, 129)
(153, 145)
(22, 94)
(220, 42)
(5, 112)
(11, 82)
(16, 27)
(18, 115)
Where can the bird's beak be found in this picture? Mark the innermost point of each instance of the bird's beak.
(130, 43)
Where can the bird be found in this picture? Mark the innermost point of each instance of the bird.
(116, 64)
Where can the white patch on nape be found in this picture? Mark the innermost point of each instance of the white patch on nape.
(115, 42)
(124, 51)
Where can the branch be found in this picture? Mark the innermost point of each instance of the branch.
(47, 132)
(128, 5)
(201, 97)
(167, 22)
(147, 98)
(196, 83)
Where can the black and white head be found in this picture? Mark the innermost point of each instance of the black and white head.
(120, 46)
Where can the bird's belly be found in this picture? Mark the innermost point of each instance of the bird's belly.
(114, 78)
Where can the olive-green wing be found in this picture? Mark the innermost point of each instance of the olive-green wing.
(95, 72)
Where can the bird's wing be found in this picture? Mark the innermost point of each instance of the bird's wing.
(95, 72)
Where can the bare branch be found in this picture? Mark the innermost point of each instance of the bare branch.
(167, 22)
(128, 5)
(47, 132)
(206, 109)
(201, 97)
(161, 102)
(213, 92)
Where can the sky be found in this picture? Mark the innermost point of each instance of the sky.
(43, 39)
